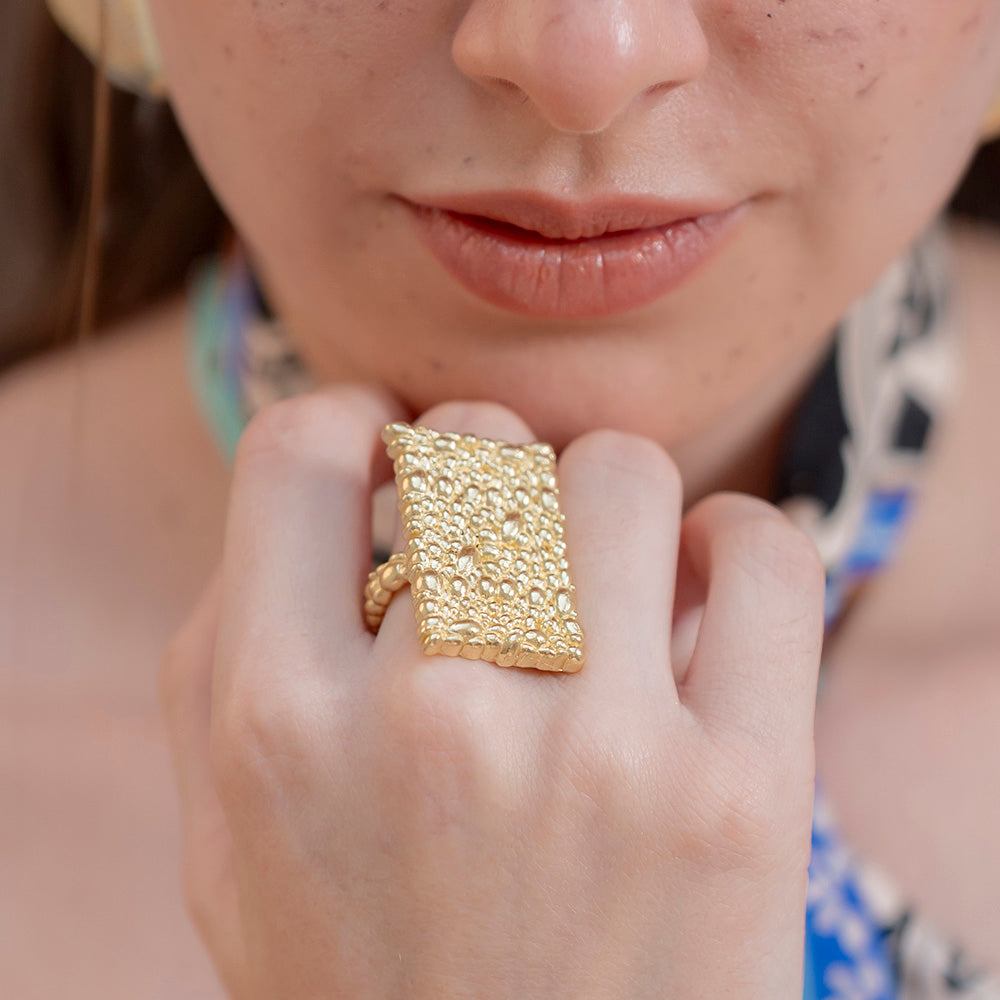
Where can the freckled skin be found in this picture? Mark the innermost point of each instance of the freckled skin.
(848, 123)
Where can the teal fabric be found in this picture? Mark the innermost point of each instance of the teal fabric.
(206, 328)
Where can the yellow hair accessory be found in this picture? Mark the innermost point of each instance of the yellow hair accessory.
(132, 57)
(991, 126)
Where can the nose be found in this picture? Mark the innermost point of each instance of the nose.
(581, 63)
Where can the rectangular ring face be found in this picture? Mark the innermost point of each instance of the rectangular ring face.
(486, 556)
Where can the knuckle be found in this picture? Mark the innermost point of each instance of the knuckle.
(744, 807)
(436, 707)
(605, 781)
(758, 820)
(771, 548)
(441, 738)
(619, 454)
(739, 817)
(461, 413)
(328, 426)
(259, 742)
(611, 766)
(745, 833)
(761, 796)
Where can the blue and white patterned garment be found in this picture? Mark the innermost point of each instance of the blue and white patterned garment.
(848, 476)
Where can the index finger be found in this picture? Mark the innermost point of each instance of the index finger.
(298, 540)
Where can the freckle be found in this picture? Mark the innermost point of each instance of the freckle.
(467, 161)
(971, 23)
(866, 89)
(737, 352)
(228, 49)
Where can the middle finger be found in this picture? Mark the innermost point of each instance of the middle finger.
(622, 497)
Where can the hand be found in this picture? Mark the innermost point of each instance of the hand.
(364, 821)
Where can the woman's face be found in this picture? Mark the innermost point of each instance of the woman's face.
(839, 128)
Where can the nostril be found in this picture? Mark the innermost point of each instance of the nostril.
(506, 88)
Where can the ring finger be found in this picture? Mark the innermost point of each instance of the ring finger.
(487, 420)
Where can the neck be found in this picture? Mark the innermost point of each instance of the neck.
(742, 453)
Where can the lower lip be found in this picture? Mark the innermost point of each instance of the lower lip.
(570, 279)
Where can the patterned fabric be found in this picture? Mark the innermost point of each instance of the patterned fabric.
(239, 359)
(852, 457)
(866, 942)
(849, 475)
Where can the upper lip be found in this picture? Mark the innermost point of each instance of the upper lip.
(556, 218)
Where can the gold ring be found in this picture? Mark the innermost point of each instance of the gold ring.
(485, 556)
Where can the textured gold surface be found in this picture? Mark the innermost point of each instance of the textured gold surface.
(485, 556)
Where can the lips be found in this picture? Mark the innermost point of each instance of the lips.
(542, 215)
(532, 254)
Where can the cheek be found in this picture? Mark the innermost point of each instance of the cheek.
(269, 93)
(300, 85)
(297, 56)
(874, 102)
(798, 55)
(923, 82)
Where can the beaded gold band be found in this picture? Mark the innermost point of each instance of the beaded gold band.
(485, 556)
(383, 582)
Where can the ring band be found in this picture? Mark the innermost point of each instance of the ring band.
(485, 557)
(383, 582)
